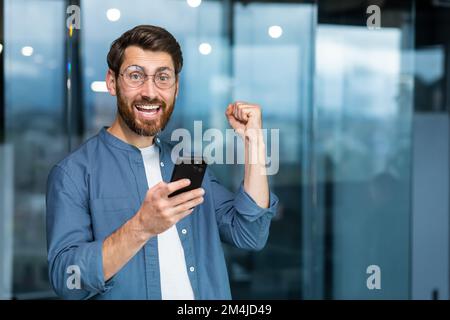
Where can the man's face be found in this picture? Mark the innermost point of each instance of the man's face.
(145, 109)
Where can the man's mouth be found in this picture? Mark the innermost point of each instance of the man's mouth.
(148, 110)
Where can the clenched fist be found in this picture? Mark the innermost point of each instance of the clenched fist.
(245, 118)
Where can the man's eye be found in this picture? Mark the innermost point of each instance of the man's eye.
(163, 77)
(136, 76)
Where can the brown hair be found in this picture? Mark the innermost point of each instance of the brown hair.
(146, 37)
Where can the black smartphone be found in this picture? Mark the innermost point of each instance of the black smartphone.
(192, 168)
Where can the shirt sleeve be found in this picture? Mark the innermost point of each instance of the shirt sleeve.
(241, 221)
(74, 257)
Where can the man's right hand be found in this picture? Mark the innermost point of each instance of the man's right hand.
(159, 212)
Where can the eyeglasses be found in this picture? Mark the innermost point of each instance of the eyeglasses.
(134, 77)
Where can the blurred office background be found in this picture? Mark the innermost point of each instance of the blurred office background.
(363, 115)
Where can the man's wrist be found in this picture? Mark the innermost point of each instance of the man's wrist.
(256, 152)
(137, 227)
(255, 136)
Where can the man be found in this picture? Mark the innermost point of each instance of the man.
(113, 232)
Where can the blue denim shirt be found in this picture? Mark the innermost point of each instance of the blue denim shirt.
(101, 185)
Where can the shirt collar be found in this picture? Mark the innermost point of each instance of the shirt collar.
(116, 142)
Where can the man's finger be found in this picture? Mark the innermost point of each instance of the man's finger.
(177, 185)
(184, 214)
(188, 205)
(186, 196)
(229, 110)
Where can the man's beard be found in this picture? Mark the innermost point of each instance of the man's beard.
(146, 128)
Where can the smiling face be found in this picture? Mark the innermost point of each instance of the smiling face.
(145, 109)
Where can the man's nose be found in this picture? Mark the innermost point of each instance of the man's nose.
(149, 88)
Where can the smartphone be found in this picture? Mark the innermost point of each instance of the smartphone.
(192, 168)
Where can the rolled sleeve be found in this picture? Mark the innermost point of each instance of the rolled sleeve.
(70, 241)
(241, 221)
(249, 209)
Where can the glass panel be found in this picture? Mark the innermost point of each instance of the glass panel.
(275, 73)
(34, 97)
(364, 106)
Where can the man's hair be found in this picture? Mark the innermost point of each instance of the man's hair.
(146, 37)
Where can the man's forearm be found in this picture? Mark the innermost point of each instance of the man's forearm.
(255, 177)
(122, 245)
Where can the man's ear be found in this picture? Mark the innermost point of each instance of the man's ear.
(177, 88)
(111, 82)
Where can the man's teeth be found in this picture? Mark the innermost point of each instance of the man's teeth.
(147, 107)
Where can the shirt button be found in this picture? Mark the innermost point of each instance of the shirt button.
(184, 231)
(191, 269)
(162, 164)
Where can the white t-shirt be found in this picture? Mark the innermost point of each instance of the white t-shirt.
(175, 283)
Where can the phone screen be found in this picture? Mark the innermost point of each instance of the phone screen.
(191, 168)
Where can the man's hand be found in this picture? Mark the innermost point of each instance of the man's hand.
(159, 212)
(245, 118)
